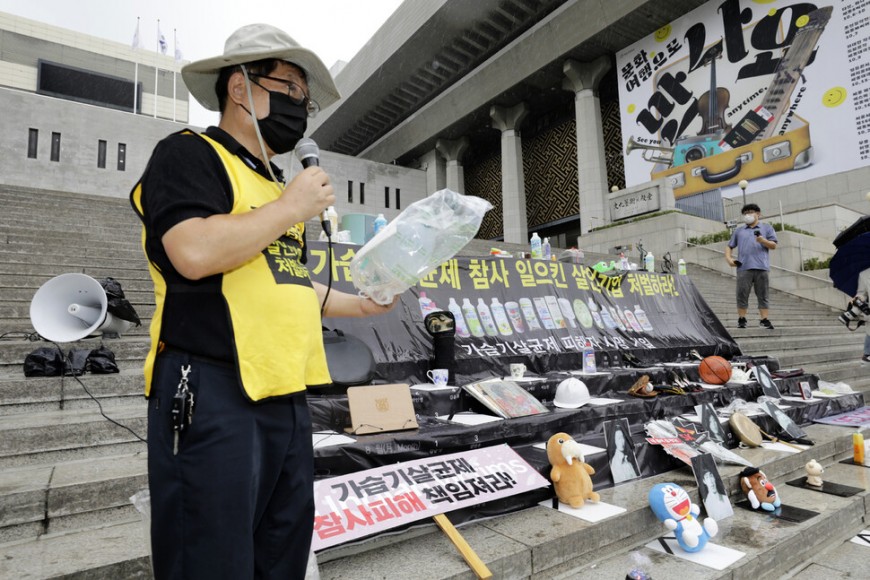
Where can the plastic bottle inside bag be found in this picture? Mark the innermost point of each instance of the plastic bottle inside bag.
(426, 234)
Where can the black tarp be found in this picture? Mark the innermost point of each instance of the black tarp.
(679, 319)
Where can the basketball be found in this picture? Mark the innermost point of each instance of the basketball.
(715, 370)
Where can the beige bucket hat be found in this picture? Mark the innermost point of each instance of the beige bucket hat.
(256, 42)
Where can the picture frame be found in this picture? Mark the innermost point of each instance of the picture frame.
(806, 391)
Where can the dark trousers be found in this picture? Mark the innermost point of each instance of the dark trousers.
(236, 502)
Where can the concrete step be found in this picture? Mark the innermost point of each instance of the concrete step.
(19, 295)
(20, 394)
(70, 496)
(52, 436)
(125, 348)
(541, 543)
(102, 553)
(76, 261)
(135, 281)
(21, 310)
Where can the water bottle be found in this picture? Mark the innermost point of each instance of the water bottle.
(545, 248)
(649, 262)
(380, 223)
(588, 358)
(681, 267)
(623, 262)
(535, 243)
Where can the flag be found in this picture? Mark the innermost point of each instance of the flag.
(137, 43)
(161, 40)
(178, 55)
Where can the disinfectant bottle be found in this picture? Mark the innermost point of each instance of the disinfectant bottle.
(486, 318)
(500, 317)
(545, 249)
(623, 262)
(536, 247)
(427, 305)
(461, 327)
(681, 267)
(649, 262)
(642, 318)
(380, 223)
(589, 358)
(471, 318)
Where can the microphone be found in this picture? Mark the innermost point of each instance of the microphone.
(308, 154)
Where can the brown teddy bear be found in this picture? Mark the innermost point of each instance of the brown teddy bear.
(570, 473)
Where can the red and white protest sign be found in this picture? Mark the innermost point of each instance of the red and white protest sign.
(367, 502)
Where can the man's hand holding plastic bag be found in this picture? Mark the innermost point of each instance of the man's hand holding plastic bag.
(424, 236)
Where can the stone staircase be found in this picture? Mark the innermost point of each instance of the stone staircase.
(66, 473)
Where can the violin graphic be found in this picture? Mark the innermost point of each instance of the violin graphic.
(714, 102)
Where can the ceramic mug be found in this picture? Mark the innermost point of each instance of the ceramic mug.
(518, 370)
(438, 376)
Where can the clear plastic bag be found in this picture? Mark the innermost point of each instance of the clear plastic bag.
(426, 234)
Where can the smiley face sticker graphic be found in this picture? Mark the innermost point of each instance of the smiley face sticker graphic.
(662, 33)
(834, 97)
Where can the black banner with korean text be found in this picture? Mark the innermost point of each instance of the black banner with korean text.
(532, 311)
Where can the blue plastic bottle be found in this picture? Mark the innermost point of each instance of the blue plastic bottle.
(380, 223)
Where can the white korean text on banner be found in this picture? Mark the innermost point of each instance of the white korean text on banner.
(772, 92)
(372, 501)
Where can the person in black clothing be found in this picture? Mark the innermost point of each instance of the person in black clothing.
(236, 334)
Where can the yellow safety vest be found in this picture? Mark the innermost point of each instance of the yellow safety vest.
(273, 308)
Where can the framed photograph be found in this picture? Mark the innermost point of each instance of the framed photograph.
(620, 451)
(806, 391)
(710, 422)
(711, 488)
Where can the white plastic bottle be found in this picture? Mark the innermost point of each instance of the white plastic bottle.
(380, 223)
(529, 314)
(589, 358)
(681, 267)
(332, 215)
(607, 318)
(486, 318)
(545, 249)
(427, 305)
(642, 318)
(623, 262)
(614, 313)
(555, 312)
(461, 327)
(649, 262)
(568, 312)
(544, 312)
(500, 317)
(535, 244)
(471, 318)
(593, 309)
(515, 316)
(632, 321)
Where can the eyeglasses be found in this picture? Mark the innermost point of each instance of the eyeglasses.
(294, 91)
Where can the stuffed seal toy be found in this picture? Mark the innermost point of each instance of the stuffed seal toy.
(671, 504)
(570, 474)
(760, 492)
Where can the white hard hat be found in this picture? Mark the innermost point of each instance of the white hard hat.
(571, 394)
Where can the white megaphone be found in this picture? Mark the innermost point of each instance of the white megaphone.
(71, 307)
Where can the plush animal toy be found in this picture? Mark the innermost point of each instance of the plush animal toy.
(570, 474)
(814, 473)
(759, 490)
(671, 504)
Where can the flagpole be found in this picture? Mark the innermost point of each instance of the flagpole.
(175, 47)
(156, 67)
(136, 68)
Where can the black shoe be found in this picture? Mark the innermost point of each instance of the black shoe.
(865, 359)
(741, 322)
(766, 324)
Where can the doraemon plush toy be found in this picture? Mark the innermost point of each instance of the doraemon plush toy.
(671, 504)
(759, 490)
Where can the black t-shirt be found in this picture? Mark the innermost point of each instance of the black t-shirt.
(186, 179)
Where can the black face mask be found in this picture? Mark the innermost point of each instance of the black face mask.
(285, 125)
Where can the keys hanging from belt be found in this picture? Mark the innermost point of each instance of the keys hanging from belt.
(182, 408)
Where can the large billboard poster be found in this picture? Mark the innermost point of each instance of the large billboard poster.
(770, 91)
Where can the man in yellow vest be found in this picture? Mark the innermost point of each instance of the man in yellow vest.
(236, 334)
